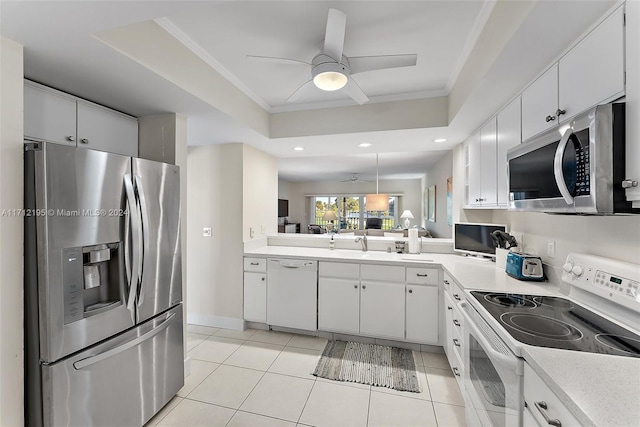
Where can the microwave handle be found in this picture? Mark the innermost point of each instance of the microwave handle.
(557, 167)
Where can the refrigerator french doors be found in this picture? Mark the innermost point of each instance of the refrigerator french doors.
(102, 283)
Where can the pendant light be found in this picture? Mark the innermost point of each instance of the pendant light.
(377, 202)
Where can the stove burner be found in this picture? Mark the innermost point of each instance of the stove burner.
(510, 300)
(541, 326)
(620, 343)
(554, 302)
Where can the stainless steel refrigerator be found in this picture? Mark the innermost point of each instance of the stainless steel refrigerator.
(103, 287)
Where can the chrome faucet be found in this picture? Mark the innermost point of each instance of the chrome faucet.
(363, 241)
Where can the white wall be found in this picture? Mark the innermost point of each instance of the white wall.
(214, 194)
(231, 188)
(409, 190)
(260, 193)
(11, 229)
(438, 176)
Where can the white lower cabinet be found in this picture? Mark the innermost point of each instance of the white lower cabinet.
(382, 309)
(422, 314)
(255, 297)
(339, 305)
(545, 408)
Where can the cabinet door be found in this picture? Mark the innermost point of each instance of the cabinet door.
(488, 194)
(49, 116)
(593, 71)
(106, 130)
(382, 309)
(539, 101)
(509, 135)
(422, 314)
(255, 297)
(633, 98)
(474, 170)
(339, 305)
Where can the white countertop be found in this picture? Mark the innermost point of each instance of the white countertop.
(600, 390)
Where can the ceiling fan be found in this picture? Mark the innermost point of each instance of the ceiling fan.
(331, 70)
(353, 178)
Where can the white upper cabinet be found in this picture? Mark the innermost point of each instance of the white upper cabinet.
(49, 116)
(54, 116)
(593, 71)
(540, 104)
(633, 99)
(488, 163)
(106, 130)
(509, 135)
(481, 167)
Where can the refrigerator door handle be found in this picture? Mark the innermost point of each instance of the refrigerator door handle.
(144, 214)
(83, 363)
(135, 244)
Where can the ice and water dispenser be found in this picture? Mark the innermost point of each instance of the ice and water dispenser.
(93, 280)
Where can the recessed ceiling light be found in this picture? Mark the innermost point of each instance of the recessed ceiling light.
(440, 140)
(298, 148)
(364, 144)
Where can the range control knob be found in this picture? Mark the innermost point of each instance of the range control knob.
(577, 270)
(568, 267)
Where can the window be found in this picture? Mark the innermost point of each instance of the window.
(349, 212)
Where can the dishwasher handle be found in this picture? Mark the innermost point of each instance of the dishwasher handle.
(292, 263)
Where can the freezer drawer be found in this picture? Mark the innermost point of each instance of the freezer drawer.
(121, 382)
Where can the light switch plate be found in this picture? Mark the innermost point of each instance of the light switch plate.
(252, 231)
(551, 248)
(206, 231)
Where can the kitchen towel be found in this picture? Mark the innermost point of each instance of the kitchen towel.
(413, 241)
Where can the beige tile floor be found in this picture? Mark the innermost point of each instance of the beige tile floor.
(263, 378)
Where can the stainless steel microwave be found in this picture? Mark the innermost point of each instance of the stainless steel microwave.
(578, 168)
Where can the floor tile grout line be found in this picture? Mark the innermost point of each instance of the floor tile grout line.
(203, 380)
(315, 381)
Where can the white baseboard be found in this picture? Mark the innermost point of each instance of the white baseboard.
(215, 321)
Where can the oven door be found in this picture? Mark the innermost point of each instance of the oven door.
(492, 377)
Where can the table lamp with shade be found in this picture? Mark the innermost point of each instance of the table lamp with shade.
(329, 216)
(407, 216)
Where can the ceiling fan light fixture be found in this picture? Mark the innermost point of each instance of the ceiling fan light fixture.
(330, 76)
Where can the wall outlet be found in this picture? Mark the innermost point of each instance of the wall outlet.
(206, 231)
(252, 232)
(551, 248)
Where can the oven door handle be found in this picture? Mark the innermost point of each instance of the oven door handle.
(510, 362)
(557, 167)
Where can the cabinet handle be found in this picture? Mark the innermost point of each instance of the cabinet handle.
(422, 275)
(70, 138)
(364, 287)
(560, 112)
(455, 322)
(255, 263)
(449, 307)
(84, 140)
(263, 279)
(457, 297)
(455, 371)
(542, 407)
(355, 286)
(446, 282)
(456, 342)
(410, 291)
(549, 118)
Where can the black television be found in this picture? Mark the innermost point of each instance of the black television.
(475, 239)
(283, 208)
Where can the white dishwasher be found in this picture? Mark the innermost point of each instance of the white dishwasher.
(292, 293)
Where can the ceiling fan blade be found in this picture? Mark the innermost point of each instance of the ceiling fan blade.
(355, 92)
(296, 95)
(358, 64)
(334, 35)
(277, 60)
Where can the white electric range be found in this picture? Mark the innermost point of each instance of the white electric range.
(600, 315)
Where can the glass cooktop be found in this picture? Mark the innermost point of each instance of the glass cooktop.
(558, 323)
